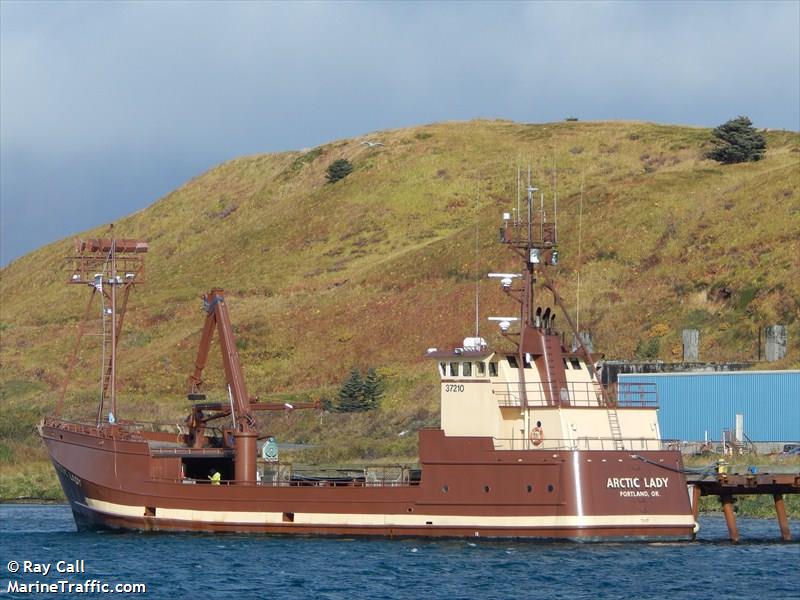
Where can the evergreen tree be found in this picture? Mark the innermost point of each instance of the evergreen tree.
(737, 141)
(339, 169)
(373, 388)
(351, 394)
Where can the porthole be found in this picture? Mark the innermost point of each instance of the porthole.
(486, 489)
(445, 489)
(529, 488)
(550, 487)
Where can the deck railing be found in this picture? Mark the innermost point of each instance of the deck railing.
(581, 394)
(586, 443)
(124, 429)
(285, 475)
(631, 394)
(105, 430)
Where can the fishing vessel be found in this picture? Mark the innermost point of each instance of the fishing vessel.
(530, 445)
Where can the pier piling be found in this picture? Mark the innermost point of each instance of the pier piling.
(727, 485)
(730, 517)
(783, 522)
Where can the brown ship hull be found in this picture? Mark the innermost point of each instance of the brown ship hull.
(114, 480)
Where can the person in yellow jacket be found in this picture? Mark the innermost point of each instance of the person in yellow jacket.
(215, 477)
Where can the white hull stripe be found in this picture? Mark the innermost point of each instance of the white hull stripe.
(384, 520)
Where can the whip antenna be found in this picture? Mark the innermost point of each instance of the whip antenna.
(580, 238)
(555, 196)
(519, 175)
(477, 264)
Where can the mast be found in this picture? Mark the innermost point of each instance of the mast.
(113, 365)
(539, 346)
(534, 241)
(104, 264)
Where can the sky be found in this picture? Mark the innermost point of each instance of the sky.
(107, 106)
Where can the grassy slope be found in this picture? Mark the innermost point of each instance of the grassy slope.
(372, 270)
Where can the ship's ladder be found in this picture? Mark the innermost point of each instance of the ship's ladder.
(108, 337)
(616, 432)
(99, 329)
(105, 349)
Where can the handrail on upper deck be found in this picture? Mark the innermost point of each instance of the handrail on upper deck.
(582, 394)
(587, 443)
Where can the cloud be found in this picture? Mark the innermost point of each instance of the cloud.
(106, 106)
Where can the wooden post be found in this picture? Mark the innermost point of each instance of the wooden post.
(730, 517)
(783, 522)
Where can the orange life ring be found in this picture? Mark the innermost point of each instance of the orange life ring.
(537, 436)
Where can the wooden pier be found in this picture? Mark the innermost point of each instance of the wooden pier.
(728, 485)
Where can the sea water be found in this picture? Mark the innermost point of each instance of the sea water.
(276, 567)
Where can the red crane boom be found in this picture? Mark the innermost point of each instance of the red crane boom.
(245, 433)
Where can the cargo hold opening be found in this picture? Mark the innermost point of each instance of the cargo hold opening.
(200, 467)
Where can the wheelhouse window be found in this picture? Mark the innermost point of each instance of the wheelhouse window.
(480, 369)
(467, 369)
(492, 369)
(443, 369)
(512, 361)
(453, 369)
(576, 364)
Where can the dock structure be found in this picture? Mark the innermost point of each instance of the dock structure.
(728, 485)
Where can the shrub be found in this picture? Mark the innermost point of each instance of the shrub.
(358, 394)
(339, 169)
(372, 388)
(648, 350)
(737, 141)
(351, 394)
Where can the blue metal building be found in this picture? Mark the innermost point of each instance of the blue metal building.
(694, 406)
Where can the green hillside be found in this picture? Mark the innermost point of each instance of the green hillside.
(374, 269)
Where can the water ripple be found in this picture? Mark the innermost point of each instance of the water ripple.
(176, 566)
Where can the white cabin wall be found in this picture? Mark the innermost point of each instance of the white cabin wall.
(468, 412)
(552, 428)
(635, 424)
(639, 423)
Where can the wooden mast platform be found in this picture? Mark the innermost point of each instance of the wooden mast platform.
(728, 485)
